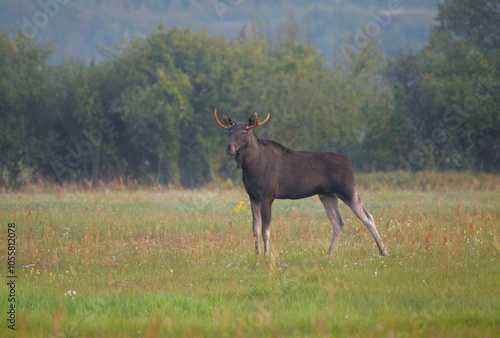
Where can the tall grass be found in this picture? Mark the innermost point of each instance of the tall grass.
(162, 262)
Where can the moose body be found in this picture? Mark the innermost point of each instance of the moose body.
(279, 172)
(272, 171)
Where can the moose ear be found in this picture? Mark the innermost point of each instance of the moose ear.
(251, 120)
(228, 120)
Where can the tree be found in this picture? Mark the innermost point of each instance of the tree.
(476, 21)
(449, 91)
(156, 125)
(26, 108)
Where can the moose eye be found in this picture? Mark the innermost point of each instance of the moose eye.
(244, 132)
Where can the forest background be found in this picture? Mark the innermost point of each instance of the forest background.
(97, 91)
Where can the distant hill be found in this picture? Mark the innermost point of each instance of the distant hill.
(77, 28)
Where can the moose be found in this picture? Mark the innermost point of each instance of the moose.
(272, 171)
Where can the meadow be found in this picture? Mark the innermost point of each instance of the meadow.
(151, 262)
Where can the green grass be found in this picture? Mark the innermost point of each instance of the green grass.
(181, 263)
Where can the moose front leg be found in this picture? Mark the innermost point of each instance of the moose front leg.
(257, 223)
(265, 210)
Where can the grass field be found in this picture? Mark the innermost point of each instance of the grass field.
(160, 262)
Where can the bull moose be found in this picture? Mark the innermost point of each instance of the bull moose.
(272, 171)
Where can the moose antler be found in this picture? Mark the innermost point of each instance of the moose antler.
(257, 123)
(218, 122)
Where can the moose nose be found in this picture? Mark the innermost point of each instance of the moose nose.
(230, 150)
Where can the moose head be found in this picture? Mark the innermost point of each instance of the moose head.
(240, 134)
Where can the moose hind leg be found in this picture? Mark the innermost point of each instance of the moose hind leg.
(330, 202)
(360, 211)
(257, 223)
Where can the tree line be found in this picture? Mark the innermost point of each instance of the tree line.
(146, 112)
(77, 27)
